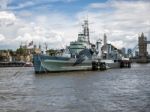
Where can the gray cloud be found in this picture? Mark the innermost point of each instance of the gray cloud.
(122, 21)
(43, 29)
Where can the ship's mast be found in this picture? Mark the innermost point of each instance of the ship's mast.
(86, 31)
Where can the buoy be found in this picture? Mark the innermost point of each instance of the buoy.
(94, 65)
(121, 64)
(102, 66)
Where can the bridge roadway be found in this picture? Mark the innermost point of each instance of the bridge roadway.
(148, 42)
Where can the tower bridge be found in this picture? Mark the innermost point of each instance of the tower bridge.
(143, 56)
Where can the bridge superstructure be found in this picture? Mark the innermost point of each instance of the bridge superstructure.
(142, 45)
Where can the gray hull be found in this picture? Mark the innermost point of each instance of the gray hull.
(56, 64)
(61, 65)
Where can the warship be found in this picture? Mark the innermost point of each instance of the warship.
(80, 55)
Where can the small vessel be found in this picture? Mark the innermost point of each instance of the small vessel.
(28, 64)
(79, 55)
(12, 64)
(16, 64)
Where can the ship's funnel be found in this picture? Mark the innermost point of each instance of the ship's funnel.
(105, 46)
(98, 47)
(105, 40)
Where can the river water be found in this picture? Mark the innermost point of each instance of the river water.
(114, 90)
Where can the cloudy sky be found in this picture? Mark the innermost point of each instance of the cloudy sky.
(57, 22)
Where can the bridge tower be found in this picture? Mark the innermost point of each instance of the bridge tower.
(142, 43)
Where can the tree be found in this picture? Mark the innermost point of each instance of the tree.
(21, 51)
